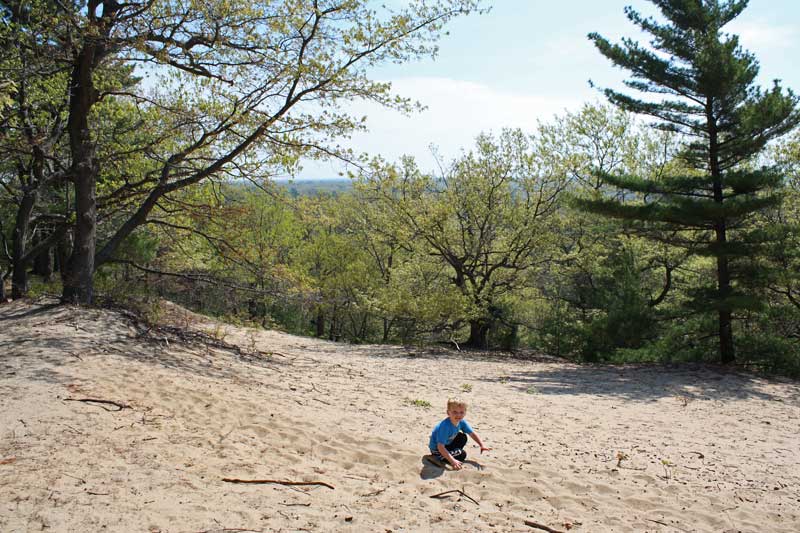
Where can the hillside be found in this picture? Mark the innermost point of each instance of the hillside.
(578, 448)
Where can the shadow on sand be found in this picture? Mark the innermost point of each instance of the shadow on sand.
(643, 382)
(433, 469)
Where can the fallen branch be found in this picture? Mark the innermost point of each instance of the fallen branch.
(533, 524)
(278, 482)
(467, 496)
(119, 406)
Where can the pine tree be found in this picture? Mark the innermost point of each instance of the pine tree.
(703, 83)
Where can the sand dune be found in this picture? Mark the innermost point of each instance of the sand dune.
(576, 448)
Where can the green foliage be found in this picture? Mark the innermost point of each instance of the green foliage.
(481, 221)
(726, 121)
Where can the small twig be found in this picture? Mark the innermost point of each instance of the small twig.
(296, 504)
(83, 481)
(276, 353)
(533, 524)
(321, 401)
(119, 406)
(264, 481)
(665, 524)
(227, 529)
(360, 478)
(72, 429)
(98, 493)
(467, 496)
(376, 492)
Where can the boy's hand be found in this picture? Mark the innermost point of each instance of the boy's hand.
(485, 449)
(457, 465)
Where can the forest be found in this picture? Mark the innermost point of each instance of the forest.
(141, 140)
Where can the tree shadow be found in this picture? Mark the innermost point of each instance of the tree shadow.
(30, 332)
(646, 382)
(30, 309)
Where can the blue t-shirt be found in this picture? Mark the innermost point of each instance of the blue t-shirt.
(445, 432)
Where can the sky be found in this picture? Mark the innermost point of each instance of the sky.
(528, 61)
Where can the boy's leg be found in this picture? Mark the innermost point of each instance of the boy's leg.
(456, 448)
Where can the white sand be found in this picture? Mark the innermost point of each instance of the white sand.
(701, 450)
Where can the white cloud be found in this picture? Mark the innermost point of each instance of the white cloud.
(457, 111)
(762, 36)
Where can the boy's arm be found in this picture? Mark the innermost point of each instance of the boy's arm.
(446, 454)
(474, 435)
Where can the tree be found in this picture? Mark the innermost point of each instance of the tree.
(705, 90)
(484, 219)
(32, 138)
(240, 89)
(603, 287)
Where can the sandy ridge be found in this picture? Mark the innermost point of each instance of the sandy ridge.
(586, 449)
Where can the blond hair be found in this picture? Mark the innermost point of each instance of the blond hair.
(456, 402)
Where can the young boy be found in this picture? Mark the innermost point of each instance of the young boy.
(450, 435)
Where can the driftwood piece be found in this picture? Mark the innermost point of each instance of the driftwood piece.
(103, 403)
(459, 491)
(276, 481)
(531, 523)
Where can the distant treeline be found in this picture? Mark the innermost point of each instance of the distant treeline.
(314, 187)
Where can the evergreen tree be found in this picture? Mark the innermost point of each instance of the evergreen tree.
(703, 83)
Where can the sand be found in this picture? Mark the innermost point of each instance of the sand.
(576, 448)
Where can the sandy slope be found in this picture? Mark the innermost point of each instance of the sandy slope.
(700, 450)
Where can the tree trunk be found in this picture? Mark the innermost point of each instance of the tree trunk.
(43, 264)
(78, 279)
(62, 251)
(478, 334)
(726, 348)
(387, 326)
(79, 272)
(320, 323)
(727, 354)
(19, 276)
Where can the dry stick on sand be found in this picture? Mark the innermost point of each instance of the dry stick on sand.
(665, 524)
(264, 481)
(467, 496)
(229, 529)
(376, 492)
(119, 406)
(531, 523)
